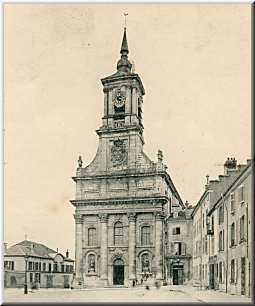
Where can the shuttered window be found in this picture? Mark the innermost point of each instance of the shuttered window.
(241, 194)
(232, 234)
(92, 239)
(118, 233)
(242, 236)
(232, 202)
(146, 235)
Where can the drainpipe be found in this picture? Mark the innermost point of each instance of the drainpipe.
(163, 251)
(225, 206)
(201, 246)
(247, 248)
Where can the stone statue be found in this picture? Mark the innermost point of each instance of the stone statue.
(145, 264)
(91, 264)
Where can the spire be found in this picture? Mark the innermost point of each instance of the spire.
(124, 65)
(124, 45)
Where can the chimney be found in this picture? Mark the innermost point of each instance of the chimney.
(57, 250)
(221, 177)
(207, 181)
(67, 253)
(230, 164)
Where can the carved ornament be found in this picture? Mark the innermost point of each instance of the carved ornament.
(78, 218)
(131, 216)
(103, 217)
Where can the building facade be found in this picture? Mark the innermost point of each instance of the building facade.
(131, 224)
(179, 246)
(37, 266)
(123, 198)
(226, 204)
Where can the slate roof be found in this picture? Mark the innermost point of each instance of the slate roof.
(30, 248)
(218, 187)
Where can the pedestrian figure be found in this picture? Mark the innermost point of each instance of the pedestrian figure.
(157, 285)
(136, 281)
(133, 284)
(141, 281)
(147, 287)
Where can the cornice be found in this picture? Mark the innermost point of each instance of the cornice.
(125, 173)
(116, 77)
(123, 200)
(126, 128)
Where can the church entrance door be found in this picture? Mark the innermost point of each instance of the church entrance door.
(118, 272)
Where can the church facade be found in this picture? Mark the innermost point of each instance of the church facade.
(123, 198)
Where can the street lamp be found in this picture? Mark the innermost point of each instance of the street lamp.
(25, 284)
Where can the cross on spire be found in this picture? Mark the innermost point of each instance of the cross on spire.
(125, 16)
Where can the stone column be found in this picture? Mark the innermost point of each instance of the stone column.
(110, 106)
(105, 106)
(128, 105)
(131, 245)
(103, 246)
(158, 245)
(78, 248)
(134, 101)
(134, 105)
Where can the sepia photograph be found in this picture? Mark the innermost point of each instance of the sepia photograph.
(127, 154)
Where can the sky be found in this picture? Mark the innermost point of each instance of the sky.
(194, 61)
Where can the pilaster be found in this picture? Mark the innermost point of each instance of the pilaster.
(131, 246)
(158, 245)
(103, 217)
(78, 281)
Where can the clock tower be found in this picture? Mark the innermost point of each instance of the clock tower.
(122, 197)
(122, 125)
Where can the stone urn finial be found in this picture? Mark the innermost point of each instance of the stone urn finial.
(160, 156)
(80, 162)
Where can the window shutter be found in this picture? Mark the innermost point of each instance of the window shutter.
(237, 231)
(172, 247)
(183, 248)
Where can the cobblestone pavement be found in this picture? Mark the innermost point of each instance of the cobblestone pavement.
(167, 294)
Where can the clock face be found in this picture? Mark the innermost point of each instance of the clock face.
(120, 98)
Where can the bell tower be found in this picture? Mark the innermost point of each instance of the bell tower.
(122, 120)
(123, 95)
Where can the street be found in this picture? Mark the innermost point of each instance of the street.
(167, 294)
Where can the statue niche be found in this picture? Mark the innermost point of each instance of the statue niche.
(91, 264)
(145, 263)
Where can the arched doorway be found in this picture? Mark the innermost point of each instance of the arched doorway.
(118, 272)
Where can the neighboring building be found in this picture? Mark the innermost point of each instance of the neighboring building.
(37, 265)
(123, 198)
(222, 260)
(179, 246)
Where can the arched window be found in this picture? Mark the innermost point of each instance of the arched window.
(92, 236)
(146, 235)
(118, 233)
